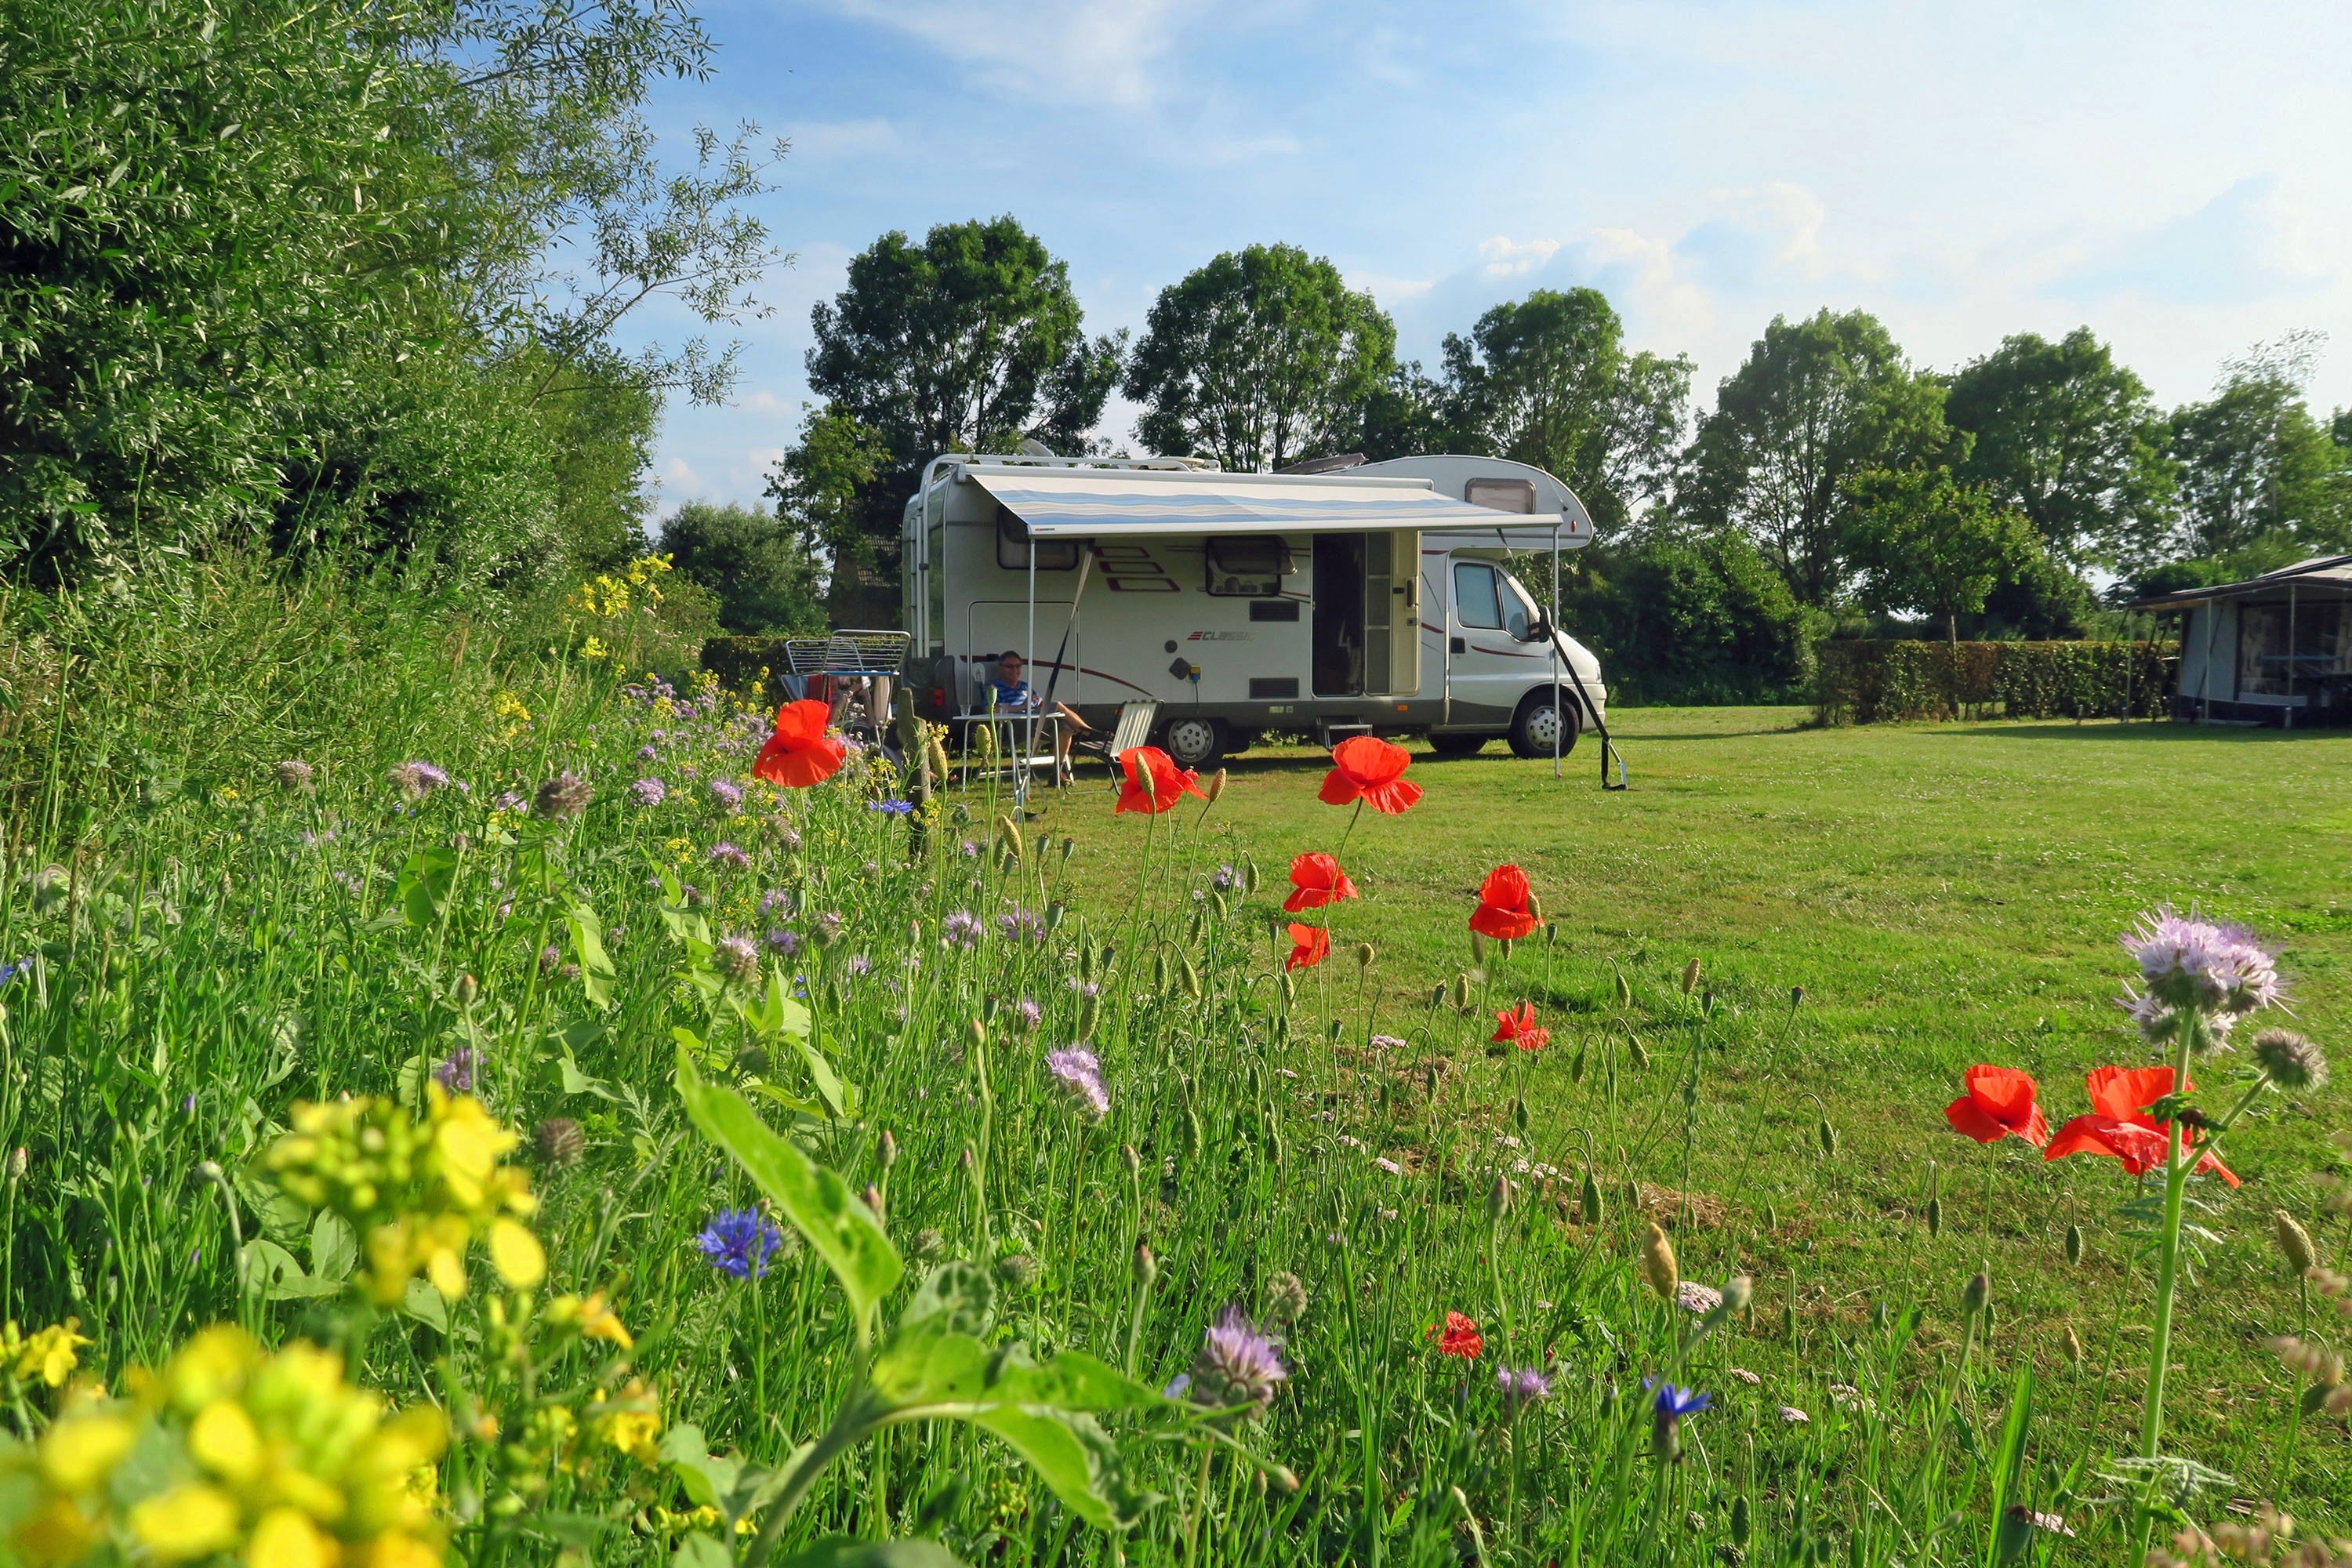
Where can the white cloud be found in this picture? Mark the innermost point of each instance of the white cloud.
(1507, 257)
(843, 140)
(1087, 51)
(679, 474)
(2245, 243)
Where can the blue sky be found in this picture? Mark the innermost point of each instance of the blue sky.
(2173, 175)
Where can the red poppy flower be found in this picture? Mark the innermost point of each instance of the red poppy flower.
(1367, 768)
(1506, 905)
(800, 753)
(1310, 945)
(2139, 1150)
(1154, 782)
(1316, 881)
(2124, 1095)
(1519, 1028)
(1998, 1105)
(1460, 1337)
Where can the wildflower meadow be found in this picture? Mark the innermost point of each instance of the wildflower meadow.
(492, 1096)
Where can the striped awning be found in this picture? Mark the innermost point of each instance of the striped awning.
(1105, 503)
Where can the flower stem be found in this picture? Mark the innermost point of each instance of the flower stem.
(2177, 1165)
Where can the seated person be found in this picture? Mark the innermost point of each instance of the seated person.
(1010, 694)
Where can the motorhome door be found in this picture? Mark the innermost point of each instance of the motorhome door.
(1367, 635)
(1493, 653)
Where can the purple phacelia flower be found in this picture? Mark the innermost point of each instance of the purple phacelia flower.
(458, 1070)
(1030, 1015)
(1520, 1386)
(416, 779)
(784, 942)
(1238, 1366)
(725, 854)
(727, 794)
(1081, 1074)
(960, 929)
(649, 792)
(1020, 925)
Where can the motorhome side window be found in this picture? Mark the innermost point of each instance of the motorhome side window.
(1247, 565)
(1013, 546)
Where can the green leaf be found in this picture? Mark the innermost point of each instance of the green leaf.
(578, 1082)
(838, 1225)
(284, 1218)
(425, 1304)
(1072, 1454)
(588, 947)
(709, 1479)
(334, 1246)
(700, 1551)
(424, 884)
(844, 1552)
(264, 1267)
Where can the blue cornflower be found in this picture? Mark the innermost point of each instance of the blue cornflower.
(10, 970)
(460, 1070)
(739, 1242)
(895, 807)
(1673, 1403)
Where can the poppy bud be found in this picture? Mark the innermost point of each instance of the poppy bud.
(1194, 1139)
(1976, 1294)
(874, 1200)
(1462, 992)
(887, 1150)
(1829, 1139)
(1590, 1202)
(1282, 987)
(1284, 1478)
(1216, 785)
(1576, 1063)
(2073, 1244)
(1788, 1322)
(1690, 976)
(1520, 1114)
(1089, 1014)
(1635, 1050)
(1273, 1140)
(1009, 832)
(1934, 1217)
(937, 755)
(1159, 972)
(1191, 977)
(2294, 1242)
(1624, 986)
(1741, 1525)
(1738, 1292)
(1147, 1266)
(1364, 955)
(1771, 1217)
(1498, 1197)
(1535, 909)
(1053, 912)
(1659, 1267)
(1249, 874)
(966, 1160)
(207, 1170)
(1477, 950)
(2072, 1343)
(468, 989)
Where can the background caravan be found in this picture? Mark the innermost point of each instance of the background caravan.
(1376, 598)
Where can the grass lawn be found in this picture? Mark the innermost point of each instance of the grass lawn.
(1944, 895)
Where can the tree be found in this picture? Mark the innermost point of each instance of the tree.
(2257, 470)
(966, 342)
(2069, 437)
(1816, 403)
(818, 483)
(312, 288)
(764, 582)
(1925, 542)
(1405, 414)
(1703, 619)
(1260, 358)
(1547, 380)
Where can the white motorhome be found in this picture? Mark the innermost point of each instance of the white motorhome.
(1378, 597)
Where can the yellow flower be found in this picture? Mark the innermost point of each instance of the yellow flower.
(192, 1519)
(632, 1425)
(58, 1532)
(516, 1254)
(592, 1317)
(286, 1539)
(595, 649)
(225, 794)
(49, 1354)
(510, 706)
(80, 1451)
(224, 1441)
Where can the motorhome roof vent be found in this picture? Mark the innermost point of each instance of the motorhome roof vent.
(1324, 465)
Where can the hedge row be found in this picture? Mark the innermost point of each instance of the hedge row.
(748, 665)
(1869, 682)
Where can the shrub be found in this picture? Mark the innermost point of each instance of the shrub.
(1868, 682)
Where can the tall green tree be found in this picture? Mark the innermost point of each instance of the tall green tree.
(1816, 403)
(966, 342)
(2067, 435)
(1547, 380)
(763, 581)
(2258, 472)
(1260, 358)
(1923, 541)
(288, 273)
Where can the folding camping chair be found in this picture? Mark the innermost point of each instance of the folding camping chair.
(1133, 730)
(855, 668)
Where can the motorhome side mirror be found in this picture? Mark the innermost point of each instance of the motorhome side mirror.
(1540, 631)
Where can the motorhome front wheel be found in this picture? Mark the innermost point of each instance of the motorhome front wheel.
(1537, 723)
(1194, 743)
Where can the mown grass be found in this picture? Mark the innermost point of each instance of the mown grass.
(1944, 894)
(214, 949)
